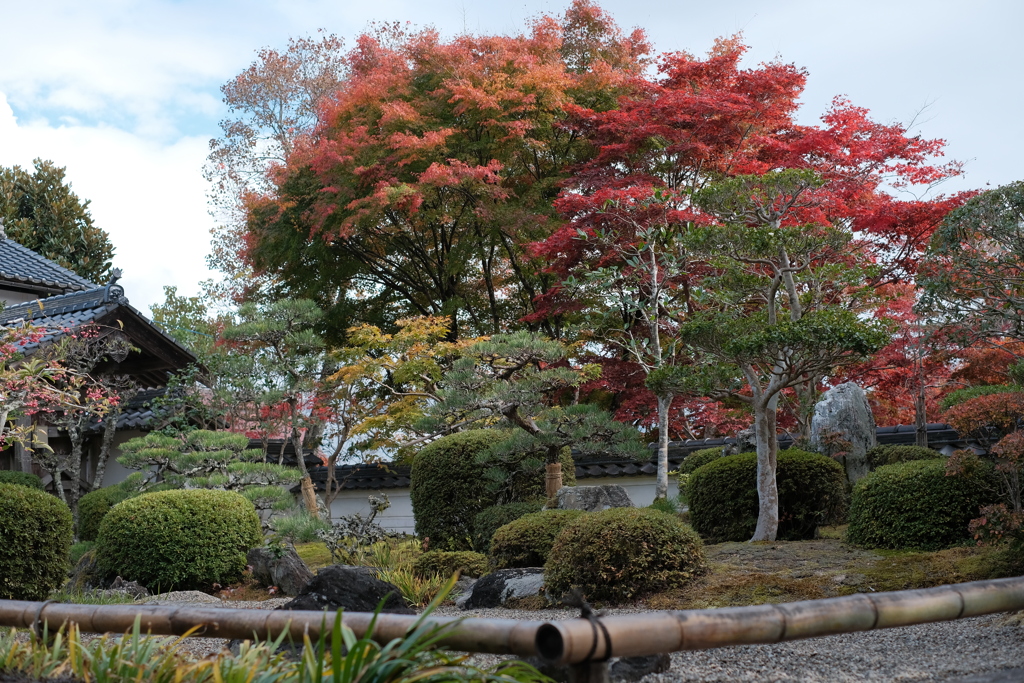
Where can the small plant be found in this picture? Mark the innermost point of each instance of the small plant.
(668, 505)
(352, 534)
(417, 589)
(301, 527)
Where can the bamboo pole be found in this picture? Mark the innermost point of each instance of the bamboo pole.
(572, 641)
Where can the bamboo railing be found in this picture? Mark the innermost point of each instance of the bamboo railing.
(569, 641)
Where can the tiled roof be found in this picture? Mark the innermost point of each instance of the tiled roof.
(138, 414)
(20, 264)
(941, 437)
(66, 311)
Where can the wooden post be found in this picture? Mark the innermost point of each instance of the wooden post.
(552, 481)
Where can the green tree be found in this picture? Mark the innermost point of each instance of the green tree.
(973, 273)
(524, 382)
(778, 308)
(40, 211)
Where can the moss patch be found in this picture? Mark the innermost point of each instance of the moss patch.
(315, 554)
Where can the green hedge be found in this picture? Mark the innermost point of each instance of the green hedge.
(446, 563)
(621, 554)
(94, 506)
(955, 398)
(724, 501)
(915, 505)
(493, 518)
(35, 543)
(879, 456)
(21, 479)
(527, 541)
(450, 485)
(181, 539)
(699, 459)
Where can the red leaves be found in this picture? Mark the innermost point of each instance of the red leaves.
(994, 411)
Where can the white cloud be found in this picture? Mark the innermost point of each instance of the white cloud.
(150, 197)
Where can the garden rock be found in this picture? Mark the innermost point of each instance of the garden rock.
(843, 413)
(592, 498)
(86, 575)
(629, 669)
(497, 588)
(745, 442)
(288, 572)
(353, 589)
(122, 587)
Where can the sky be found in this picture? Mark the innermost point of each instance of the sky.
(126, 93)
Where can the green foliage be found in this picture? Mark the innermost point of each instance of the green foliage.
(300, 527)
(21, 479)
(178, 539)
(724, 502)
(527, 541)
(79, 549)
(490, 519)
(447, 488)
(915, 505)
(668, 505)
(515, 475)
(955, 398)
(42, 213)
(446, 563)
(35, 529)
(889, 455)
(699, 459)
(621, 554)
(94, 506)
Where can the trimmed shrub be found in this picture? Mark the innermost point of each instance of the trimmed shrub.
(35, 542)
(181, 539)
(915, 505)
(699, 459)
(446, 563)
(453, 480)
(880, 456)
(491, 519)
(623, 553)
(448, 490)
(527, 541)
(21, 479)
(724, 503)
(94, 506)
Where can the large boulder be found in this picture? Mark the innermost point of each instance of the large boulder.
(288, 572)
(353, 589)
(843, 423)
(592, 498)
(497, 588)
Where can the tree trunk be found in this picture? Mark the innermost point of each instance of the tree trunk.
(552, 482)
(920, 418)
(109, 431)
(767, 458)
(309, 497)
(661, 484)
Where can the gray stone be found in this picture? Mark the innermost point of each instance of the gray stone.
(288, 572)
(86, 575)
(132, 588)
(497, 588)
(843, 413)
(629, 669)
(745, 442)
(592, 498)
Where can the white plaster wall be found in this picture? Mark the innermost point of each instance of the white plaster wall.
(398, 517)
(640, 489)
(115, 472)
(11, 298)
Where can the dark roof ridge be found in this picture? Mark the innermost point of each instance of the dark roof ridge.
(21, 264)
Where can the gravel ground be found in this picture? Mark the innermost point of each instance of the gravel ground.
(973, 650)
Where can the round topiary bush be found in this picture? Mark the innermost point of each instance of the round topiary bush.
(448, 490)
(182, 539)
(35, 543)
(880, 456)
(699, 459)
(491, 519)
(724, 502)
(21, 479)
(94, 506)
(915, 505)
(446, 563)
(527, 541)
(623, 553)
